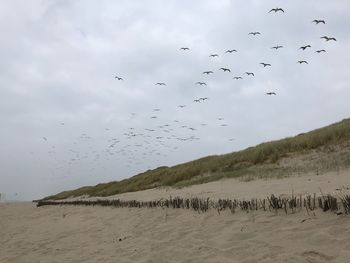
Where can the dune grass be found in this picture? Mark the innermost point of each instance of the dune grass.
(320, 150)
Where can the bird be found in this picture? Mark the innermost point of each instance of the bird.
(304, 47)
(302, 61)
(317, 21)
(154, 117)
(201, 83)
(321, 50)
(231, 50)
(220, 119)
(118, 78)
(203, 99)
(156, 110)
(328, 38)
(265, 64)
(277, 47)
(254, 33)
(213, 55)
(161, 83)
(197, 100)
(208, 72)
(270, 93)
(276, 10)
(237, 77)
(250, 74)
(184, 48)
(225, 69)
(181, 106)
(45, 138)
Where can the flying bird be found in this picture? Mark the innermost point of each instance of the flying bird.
(225, 69)
(203, 99)
(277, 47)
(231, 50)
(276, 10)
(213, 55)
(197, 100)
(304, 47)
(184, 48)
(161, 83)
(220, 119)
(118, 78)
(207, 72)
(270, 93)
(317, 21)
(250, 74)
(156, 110)
(182, 106)
(328, 38)
(254, 33)
(265, 64)
(237, 77)
(302, 61)
(321, 50)
(201, 83)
(45, 138)
(154, 117)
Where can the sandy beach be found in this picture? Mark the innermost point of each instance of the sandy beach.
(174, 131)
(104, 234)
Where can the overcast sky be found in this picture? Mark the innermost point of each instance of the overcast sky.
(66, 121)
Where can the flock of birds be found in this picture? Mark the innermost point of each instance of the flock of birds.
(152, 142)
(255, 33)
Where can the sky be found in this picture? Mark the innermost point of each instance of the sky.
(67, 122)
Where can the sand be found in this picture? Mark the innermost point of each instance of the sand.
(105, 234)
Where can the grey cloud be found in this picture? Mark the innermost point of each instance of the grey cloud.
(59, 59)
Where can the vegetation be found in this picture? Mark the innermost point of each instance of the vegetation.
(320, 150)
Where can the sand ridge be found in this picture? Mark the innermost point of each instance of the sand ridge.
(329, 183)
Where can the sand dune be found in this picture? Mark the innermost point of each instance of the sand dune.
(329, 183)
(105, 234)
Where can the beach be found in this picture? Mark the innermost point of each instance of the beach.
(106, 234)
